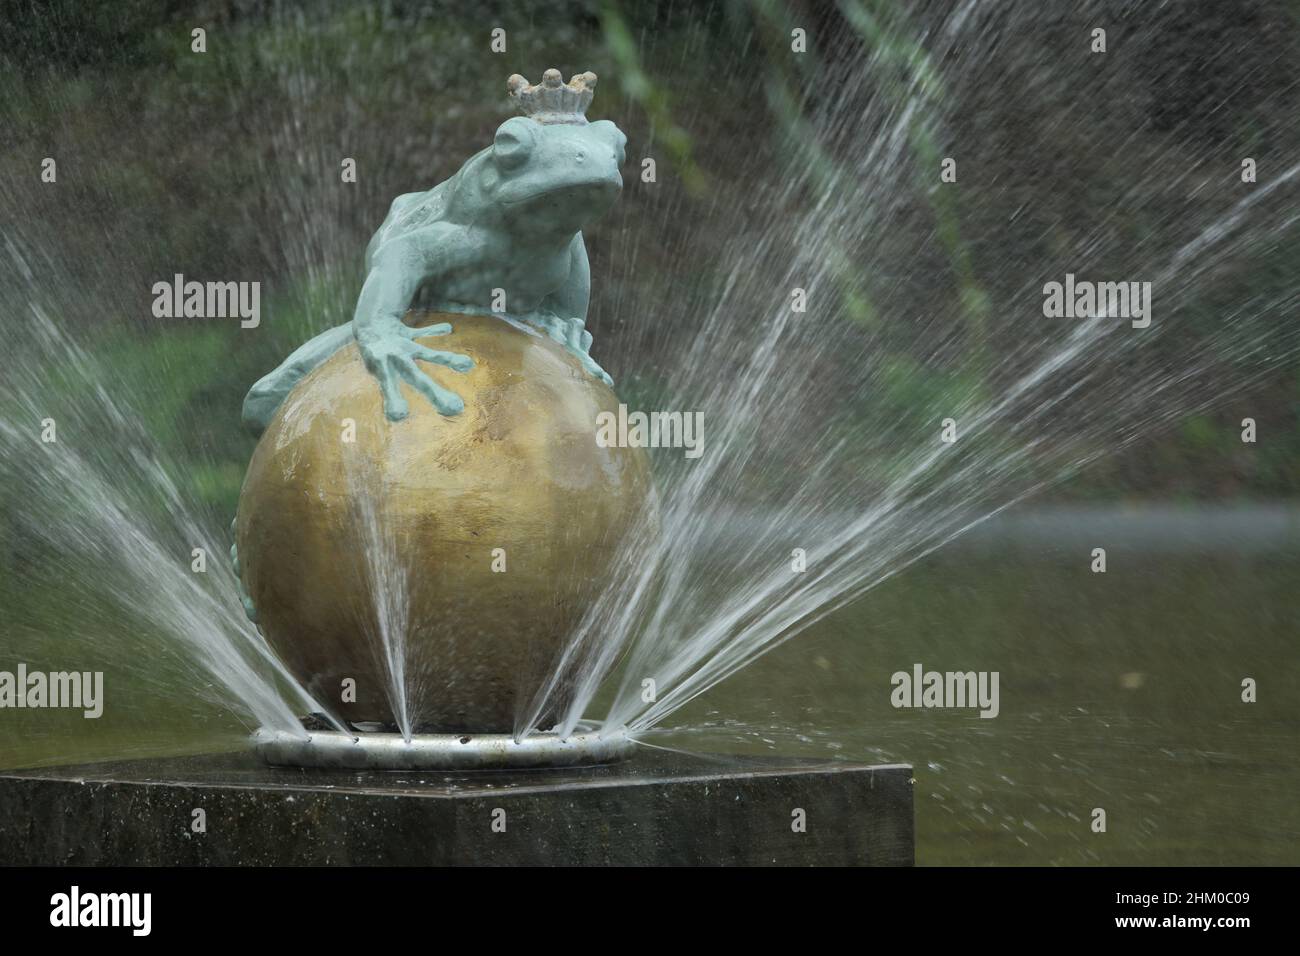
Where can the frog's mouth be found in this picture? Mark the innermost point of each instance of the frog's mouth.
(565, 208)
(588, 194)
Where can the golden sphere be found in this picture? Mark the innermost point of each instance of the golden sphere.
(359, 536)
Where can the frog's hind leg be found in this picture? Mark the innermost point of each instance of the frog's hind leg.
(267, 395)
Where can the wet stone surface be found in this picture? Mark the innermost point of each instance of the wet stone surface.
(656, 808)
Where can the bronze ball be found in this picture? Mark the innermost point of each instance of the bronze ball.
(351, 526)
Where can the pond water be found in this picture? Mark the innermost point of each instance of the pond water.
(1120, 691)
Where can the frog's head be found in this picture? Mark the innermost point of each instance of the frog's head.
(556, 176)
(554, 171)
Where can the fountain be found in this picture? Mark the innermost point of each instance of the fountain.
(447, 599)
(417, 558)
(440, 552)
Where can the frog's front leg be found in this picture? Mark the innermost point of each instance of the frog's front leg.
(389, 347)
(563, 313)
(573, 335)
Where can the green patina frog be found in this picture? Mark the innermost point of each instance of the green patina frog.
(502, 236)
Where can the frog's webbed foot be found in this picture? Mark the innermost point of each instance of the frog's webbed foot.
(391, 359)
(411, 332)
(573, 335)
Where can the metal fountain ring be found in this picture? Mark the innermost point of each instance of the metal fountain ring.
(335, 750)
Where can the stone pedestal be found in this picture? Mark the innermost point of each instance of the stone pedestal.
(655, 808)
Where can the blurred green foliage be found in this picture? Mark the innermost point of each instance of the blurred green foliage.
(186, 185)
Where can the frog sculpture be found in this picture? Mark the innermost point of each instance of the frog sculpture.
(502, 236)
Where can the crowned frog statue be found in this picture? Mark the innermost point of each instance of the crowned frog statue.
(502, 236)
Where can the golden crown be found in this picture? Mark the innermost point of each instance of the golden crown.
(552, 100)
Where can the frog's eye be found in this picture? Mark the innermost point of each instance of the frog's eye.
(514, 141)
